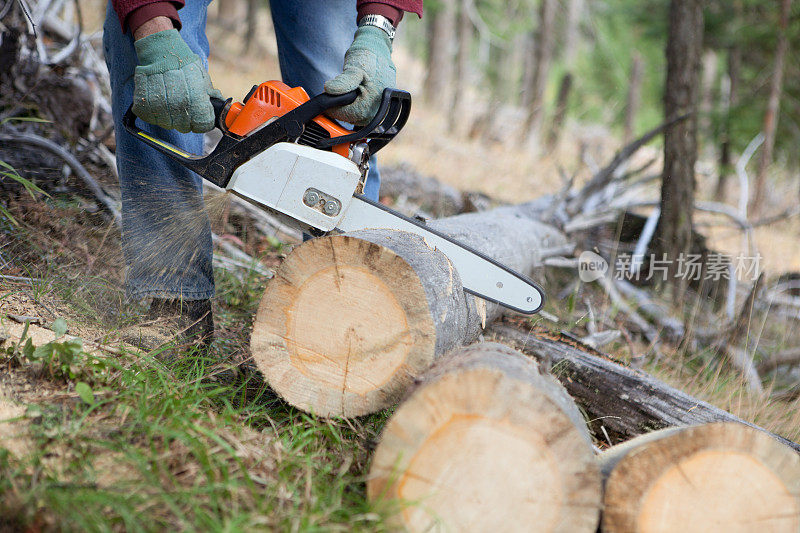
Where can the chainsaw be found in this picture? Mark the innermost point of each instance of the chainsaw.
(280, 152)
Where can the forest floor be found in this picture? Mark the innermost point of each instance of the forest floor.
(148, 440)
(132, 439)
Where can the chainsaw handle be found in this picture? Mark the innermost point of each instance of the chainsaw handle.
(194, 162)
(325, 102)
(392, 115)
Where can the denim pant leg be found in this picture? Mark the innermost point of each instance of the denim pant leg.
(313, 37)
(166, 235)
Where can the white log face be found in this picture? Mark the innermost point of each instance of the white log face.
(715, 477)
(345, 324)
(340, 355)
(487, 443)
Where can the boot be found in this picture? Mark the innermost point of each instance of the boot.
(193, 319)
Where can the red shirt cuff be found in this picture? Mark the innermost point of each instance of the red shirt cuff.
(412, 6)
(142, 14)
(375, 8)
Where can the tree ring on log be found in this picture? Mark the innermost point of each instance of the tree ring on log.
(714, 477)
(476, 448)
(343, 326)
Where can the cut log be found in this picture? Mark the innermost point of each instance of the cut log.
(348, 321)
(486, 441)
(715, 477)
(621, 402)
(429, 194)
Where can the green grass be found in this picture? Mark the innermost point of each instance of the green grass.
(168, 446)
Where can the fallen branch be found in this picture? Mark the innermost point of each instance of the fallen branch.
(789, 212)
(727, 340)
(626, 402)
(240, 258)
(606, 174)
(790, 357)
(46, 144)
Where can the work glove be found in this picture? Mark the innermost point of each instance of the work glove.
(171, 86)
(368, 67)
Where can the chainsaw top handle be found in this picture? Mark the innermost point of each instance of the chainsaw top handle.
(233, 150)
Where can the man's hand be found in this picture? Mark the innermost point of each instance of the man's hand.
(368, 67)
(171, 87)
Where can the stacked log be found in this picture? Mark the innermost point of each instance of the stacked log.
(486, 441)
(714, 477)
(391, 305)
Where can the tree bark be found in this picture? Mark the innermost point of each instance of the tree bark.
(572, 31)
(561, 110)
(730, 99)
(624, 401)
(684, 45)
(349, 321)
(440, 35)
(250, 37)
(708, 77)
(634, 96)
(431, 195)
(229, 13)
(542, 55)
(773, 107)
(715, 477)
(485, 439)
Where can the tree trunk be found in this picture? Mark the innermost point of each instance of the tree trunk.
(730, 99)
(458, 113)
(440, 35)
(528, 66)
(540, 67)
(572, 31)
(561, 110)
(684, 45)
(486, 440)
(350, 320)
(716, 477)
(229, 14)
(432, 196)
(708, 77)
(622, 402)
(250, 37)
(634, 96)
(773, 106)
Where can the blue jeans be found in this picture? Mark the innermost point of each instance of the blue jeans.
(166, 236)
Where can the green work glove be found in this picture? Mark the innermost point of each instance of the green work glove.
(368, 67)
(171, 87)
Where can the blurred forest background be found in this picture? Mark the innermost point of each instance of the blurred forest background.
(513, 97)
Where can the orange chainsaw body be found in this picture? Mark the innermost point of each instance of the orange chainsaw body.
(273, 99)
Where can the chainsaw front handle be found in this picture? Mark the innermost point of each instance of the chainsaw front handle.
(392, 115)
(233, 150)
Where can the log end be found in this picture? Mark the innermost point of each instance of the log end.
(475, 448)
(715, 477)
(343, 327)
